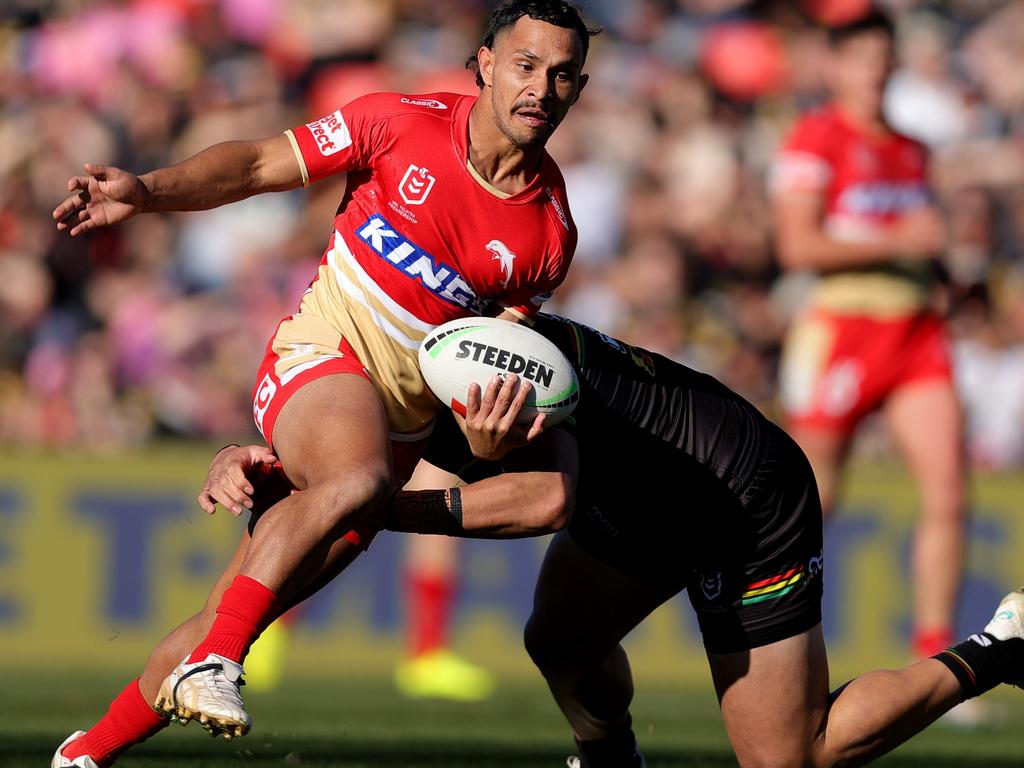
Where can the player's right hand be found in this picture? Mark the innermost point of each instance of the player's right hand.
(226, 480)
(105, 196)
(490, 422)
(920, 234)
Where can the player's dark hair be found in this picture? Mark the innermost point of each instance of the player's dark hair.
(556, 12)
(874, 21)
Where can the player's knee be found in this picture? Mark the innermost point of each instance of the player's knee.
(536, 644)
(347, 496)
(781, 755)
(546, 646)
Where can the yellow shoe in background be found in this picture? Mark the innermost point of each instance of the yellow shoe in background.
(441, 674)
(264, 666)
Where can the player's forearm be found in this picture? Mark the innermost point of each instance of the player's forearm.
(817, 251)
(514, 505)
(222, 174)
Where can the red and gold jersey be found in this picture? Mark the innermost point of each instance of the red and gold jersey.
(419, 239)
(867, 182)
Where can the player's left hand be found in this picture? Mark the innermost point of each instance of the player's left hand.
(226, 481)
(490, 423)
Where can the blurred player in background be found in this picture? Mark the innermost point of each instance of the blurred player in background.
(682, 484)
(853, 204)
(452, 208)
(430, 668)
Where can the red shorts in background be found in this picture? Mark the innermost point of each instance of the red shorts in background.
(838, 368)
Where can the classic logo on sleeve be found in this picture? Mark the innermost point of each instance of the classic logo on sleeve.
(416, 185)
(428, 103)
(558, 208)
(331, 134)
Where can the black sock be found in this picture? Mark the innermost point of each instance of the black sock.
(981, 662)
(616, 750)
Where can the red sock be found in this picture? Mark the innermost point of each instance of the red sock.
(129, 720)
(927, 643)
(430, 606)
(246, 608)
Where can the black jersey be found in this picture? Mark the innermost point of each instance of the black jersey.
(683, 483)
(628, 391)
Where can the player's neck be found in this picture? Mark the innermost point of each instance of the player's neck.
(497, 160)
(865, 115)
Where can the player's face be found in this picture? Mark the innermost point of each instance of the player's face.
(533, 76)
(861, 66)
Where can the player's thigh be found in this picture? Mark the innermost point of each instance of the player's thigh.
(332, 426)
(583, 607)
(826, 450)
(926, 421)
(774, 699)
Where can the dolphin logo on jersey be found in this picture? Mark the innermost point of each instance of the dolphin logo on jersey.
(416, 185)
(505, 258)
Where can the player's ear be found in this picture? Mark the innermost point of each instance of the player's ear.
(584, 79)
(485, 60)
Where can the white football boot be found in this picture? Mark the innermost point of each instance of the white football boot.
(207, 691)
(1008, 621)
(574, 762)
(82, 761)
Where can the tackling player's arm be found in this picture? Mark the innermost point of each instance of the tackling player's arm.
(514, 504)
(221, 174)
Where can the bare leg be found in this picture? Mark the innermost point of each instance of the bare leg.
(333, 442)
(926, 422)
(804, 726)
(431, 576)
(582, 610)
(183, 638)
(826, 450)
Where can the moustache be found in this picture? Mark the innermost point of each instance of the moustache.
(531, 106)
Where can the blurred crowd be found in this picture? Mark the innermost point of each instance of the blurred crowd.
(155, 329)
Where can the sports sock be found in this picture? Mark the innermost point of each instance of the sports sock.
(245, 609)
(430, 605)
(616, 750)
(981, 662)
(129, 720)
(927, 643)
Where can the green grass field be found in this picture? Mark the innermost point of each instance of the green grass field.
(364, 724)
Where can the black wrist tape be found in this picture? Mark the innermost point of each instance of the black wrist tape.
(454, 499)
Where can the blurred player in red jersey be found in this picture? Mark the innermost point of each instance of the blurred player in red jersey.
(853, 204)
(452, 207)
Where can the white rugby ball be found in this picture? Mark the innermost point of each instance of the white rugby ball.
(473, 349)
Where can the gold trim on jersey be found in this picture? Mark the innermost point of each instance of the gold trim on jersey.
(484, 182)
(877, 294)
(401, 324)
(298, 156)
(384, 335)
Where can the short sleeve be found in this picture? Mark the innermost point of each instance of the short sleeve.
(526, 307)
(345, 140)
(804, 163)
